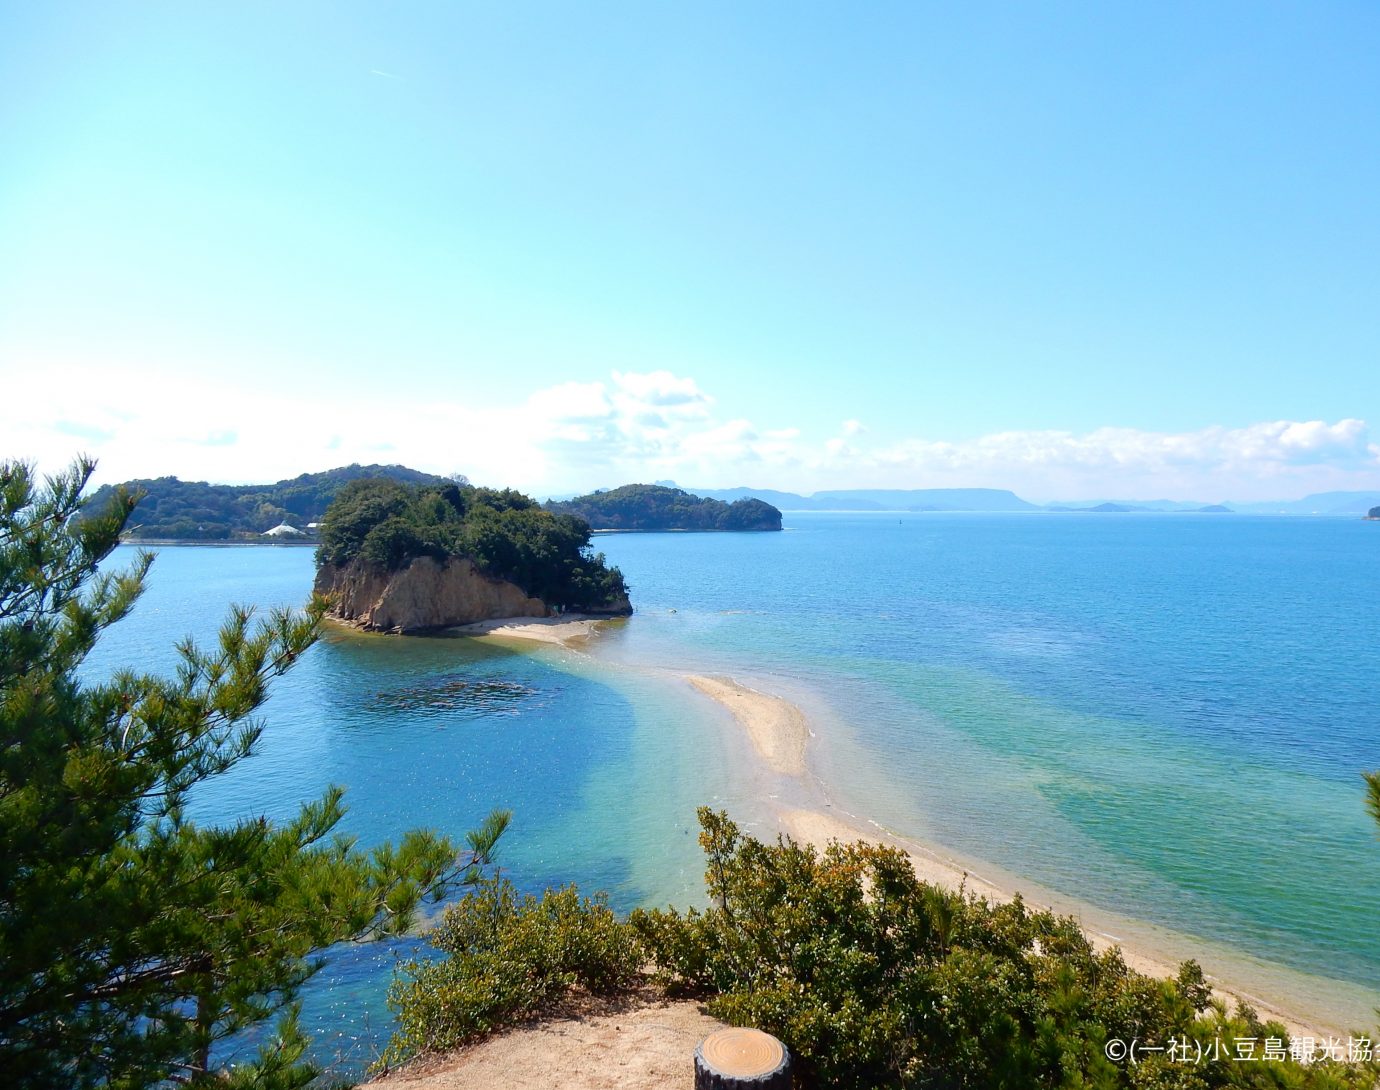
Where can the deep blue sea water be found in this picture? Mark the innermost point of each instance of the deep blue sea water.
(1161, 717)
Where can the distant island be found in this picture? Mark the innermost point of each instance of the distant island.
(288, 510)
(879, 499)
(399, 557)
(658, 507)
(1373, 514)
(174, 510)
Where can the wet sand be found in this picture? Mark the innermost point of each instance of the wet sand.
(777, 728)
(779, 733)
(569, 630)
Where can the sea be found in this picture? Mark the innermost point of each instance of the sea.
(1156, 722)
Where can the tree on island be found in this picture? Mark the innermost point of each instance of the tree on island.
(385, 525)
(658, 507)
(132, 939)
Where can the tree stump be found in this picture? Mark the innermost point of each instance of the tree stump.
(730, 1059)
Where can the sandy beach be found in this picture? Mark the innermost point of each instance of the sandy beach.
(779, 734)
(569, 630)
(644, 1042)
(777, 728)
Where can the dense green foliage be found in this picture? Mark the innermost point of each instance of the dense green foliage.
(875, 979)
(872, 978)
(386, 524)
(196, 511)
(656, 507)
(508, 955)
(131, 938)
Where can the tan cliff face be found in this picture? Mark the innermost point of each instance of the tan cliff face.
(427, 594)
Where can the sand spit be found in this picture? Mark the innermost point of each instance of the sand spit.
(776, 727)
(569, 630)
(780, 732)
(643, 1042)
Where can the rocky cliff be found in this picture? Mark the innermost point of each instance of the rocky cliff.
(427, 594)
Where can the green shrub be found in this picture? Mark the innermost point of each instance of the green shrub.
(874, 979)
(391, 544)
(387, 524)
(508, 955)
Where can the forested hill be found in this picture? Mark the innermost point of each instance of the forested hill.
(196, 511)
(656, 507)
(381, 526)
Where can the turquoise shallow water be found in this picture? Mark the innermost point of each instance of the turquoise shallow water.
(1162, 716)
(434, 733)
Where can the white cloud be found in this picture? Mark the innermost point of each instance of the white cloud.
(1249, 462)
(641, 426)
(662, 389)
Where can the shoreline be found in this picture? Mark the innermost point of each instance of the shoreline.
(773, 731)
(778, 732)
(571, 630)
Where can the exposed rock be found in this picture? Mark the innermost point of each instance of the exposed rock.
(427, 594)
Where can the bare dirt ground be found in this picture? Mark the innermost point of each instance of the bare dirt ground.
(638, 1042)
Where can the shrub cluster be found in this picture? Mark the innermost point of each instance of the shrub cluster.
(657, 507)
(875, 979)
(872, 978)
(387, 524)
(509, 955)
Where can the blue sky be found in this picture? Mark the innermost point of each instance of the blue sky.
(1070, 249)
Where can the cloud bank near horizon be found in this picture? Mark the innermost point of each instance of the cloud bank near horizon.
(643, 426)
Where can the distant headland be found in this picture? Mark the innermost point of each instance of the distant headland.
(660, 507)
(195, 511)
(290, 511)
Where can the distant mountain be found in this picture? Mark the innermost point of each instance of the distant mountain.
(1134, 505)
(176, 510)
(880, 499)
(1103, 508)
(1216, 509)
(662, 507)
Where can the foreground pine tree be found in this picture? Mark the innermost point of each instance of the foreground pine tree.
(131, 940)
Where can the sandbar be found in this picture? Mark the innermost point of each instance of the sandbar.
(568, 630)
(777, 728)
(779, 733)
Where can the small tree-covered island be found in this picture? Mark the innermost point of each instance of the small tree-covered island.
(656, 507)
(396, 557)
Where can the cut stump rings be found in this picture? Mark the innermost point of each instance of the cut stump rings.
(742, 1059)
